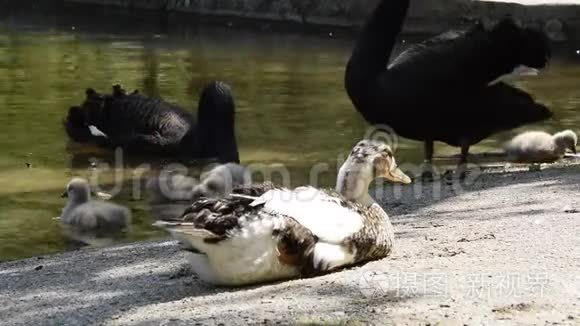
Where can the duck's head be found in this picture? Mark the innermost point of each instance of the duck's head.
(77, 190)
(566, 140)
(368, 160)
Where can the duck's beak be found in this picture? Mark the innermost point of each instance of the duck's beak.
(64, 195)
(574, 150)
(397, 175)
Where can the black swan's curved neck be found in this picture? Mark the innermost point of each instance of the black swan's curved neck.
(216, 123)
(376, 41)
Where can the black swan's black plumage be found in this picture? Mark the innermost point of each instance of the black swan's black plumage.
(443, 89)
(148, 125)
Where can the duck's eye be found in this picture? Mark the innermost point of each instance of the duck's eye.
(387, 152)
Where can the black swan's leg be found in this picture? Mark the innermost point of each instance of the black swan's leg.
(464, 154)
(461, 172)
(427, 175)
(462, 166)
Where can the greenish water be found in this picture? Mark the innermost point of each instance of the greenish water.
(291, 109)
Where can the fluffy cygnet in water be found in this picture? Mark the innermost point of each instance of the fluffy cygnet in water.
(221, 180)
(85, 214)
(217, 182)
(171, 188)
(540, 147)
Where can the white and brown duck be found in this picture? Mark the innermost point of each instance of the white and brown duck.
(262, 233)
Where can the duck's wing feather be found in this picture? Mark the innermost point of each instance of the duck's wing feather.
(326, 214)
(213, 219)
(255, 190)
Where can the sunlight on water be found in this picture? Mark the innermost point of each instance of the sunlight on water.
(291, 109)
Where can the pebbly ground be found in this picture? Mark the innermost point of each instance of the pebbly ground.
(503, 251)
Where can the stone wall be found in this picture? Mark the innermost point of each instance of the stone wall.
(344, 12)
(430, 16)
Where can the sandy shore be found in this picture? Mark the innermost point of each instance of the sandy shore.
(504, 250)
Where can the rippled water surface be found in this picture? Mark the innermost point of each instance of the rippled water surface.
(291, 107)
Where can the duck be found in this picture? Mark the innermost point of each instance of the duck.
(263, 232)
(540, 146)
(450, 88)
(83, 214)
(218, 181)
(152, 126)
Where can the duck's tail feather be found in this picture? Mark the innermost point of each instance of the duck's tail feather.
(184, 228)
(191, 238)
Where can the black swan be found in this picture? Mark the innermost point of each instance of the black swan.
(137, 123)
(449, 87)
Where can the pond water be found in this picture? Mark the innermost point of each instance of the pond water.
(291, 106)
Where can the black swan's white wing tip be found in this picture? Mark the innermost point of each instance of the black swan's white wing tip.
(96, 132)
